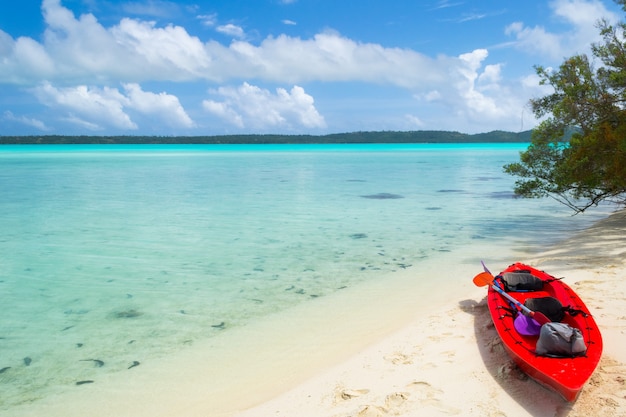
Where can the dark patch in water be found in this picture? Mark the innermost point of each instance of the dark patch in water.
(72, 311)
(128, 314)
(356, 180)
(3, 370)
(503, 194)
(27, 361)
(450, 191)
(383, 196)
(358, 236)
(433, 208)
(135, 363)
(220, 326)
(87, 381)
(97, 362)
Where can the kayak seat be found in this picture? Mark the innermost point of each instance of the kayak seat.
(549, 306)
(520, 281)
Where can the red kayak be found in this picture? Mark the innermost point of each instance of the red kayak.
(544, 326)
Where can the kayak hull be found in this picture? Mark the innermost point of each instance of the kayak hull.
(565, 375)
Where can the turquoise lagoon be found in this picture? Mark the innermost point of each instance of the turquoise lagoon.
(114, 257)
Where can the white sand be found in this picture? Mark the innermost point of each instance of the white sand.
(452, 362)
(442, 358)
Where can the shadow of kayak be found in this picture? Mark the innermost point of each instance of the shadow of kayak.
(530, 395)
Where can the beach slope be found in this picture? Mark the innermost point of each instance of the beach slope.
(451, 361)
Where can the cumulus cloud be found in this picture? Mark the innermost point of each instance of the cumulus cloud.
(97, 108)
(249, 106)
(165, 107)
(103, 105)
(82, 49)
(474, 85)
(84, 64)
(476, 96)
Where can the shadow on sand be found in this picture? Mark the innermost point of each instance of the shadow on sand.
(534, 398)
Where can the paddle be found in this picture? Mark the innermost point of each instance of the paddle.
(486, 278)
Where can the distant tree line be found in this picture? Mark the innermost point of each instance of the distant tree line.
(422, 136)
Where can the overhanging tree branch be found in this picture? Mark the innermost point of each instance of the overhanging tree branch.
(578, 153)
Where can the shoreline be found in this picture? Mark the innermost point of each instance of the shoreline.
(371, 355)
(453, 362)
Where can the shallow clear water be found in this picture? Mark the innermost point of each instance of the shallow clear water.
(113, 255)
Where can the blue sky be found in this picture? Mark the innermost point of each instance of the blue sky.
(158, 67)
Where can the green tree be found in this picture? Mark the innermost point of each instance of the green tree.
(577, 154)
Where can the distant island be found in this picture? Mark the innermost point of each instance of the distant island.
(420, 136)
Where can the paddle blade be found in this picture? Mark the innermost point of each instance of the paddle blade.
(482, 279)
(526, 326)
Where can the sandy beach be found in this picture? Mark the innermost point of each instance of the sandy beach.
(451, 361)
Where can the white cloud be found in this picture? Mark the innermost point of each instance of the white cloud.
(476, 96)
(224, 111)
(83, 124)
(581, 15)
(82, 50)
(77, 52)
(163, 107)
(328, 56)
(208, 19)
(232, 30)
(160, 53)
(289, 22)
(414, 121)
(491, 74)
(97, 108)
(36, 123)
(249, 106)
(99, 105)
(472, 92)
(536, 40)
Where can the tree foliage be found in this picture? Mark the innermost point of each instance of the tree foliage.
(577, 154)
